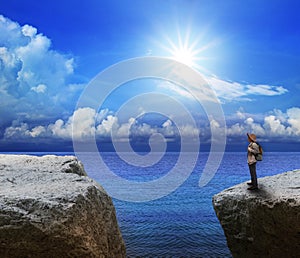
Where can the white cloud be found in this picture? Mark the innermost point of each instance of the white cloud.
(16, 131)
(41, 88)
(281, 115)
(37, 131)
(293, 115)
(29, 31)
(69, 64)
(266, 90)
(236, 130)
(23, 131)
(87, 126)
(84, 124)
(83, 120)
(273, 126)
(234, 91)
(108, 125)
(279, 124)
(228, 91)
(28, 65)
(240, 114)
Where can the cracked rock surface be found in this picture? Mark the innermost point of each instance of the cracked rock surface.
(50, 208)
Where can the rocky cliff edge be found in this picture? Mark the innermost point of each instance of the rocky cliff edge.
(50, 208)
(265, 222)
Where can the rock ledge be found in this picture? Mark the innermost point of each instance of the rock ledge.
(262, 223)
(50, 208)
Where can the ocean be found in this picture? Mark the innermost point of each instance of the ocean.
(182, 223)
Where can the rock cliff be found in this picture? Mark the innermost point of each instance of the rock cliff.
(265, 222)
(50, 208)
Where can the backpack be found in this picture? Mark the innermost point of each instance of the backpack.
(259, 156)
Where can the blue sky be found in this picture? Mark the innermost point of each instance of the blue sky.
(249, 52)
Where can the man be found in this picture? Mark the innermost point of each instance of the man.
(253, 149)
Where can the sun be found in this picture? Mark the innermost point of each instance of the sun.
(183, 49)
(184, 55)
(186, 49)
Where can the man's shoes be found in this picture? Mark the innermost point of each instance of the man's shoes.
(249, 183)
(253, 188)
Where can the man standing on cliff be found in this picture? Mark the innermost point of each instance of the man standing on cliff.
(253, 150)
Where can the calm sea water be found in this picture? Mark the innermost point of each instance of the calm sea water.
(183, 223)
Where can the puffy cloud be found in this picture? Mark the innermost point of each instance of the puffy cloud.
(29, 31)
(22, 131)
(37, 131)
(28, 66)
(108, 125)
(85, 124)
(240, 114)
(41, 88)
(274, 127)
(293, 115)
(279, 124)
(252, 126)
(16, 132)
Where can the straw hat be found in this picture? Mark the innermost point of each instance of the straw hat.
(252, 137)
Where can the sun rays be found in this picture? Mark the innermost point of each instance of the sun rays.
(187, 49)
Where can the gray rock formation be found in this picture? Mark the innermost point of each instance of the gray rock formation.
(262, 223)
(49, 208)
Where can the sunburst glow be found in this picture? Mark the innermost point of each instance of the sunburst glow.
(186, 49)
(184, 55)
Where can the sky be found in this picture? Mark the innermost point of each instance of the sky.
(50, 51)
